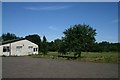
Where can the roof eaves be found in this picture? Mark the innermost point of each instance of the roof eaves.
(10, 41)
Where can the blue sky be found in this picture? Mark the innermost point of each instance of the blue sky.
(52, 18)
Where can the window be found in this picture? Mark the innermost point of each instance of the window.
(18, 48)
(35, 49)
(30, 48)
(6, 49)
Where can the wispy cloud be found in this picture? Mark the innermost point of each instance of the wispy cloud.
(115, 21)
(47, 8)
(52, 28)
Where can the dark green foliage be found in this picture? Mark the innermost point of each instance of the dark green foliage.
(62, 49)
(79, 38)
(8, 36)
(1, 39)
(105, 47)
(57, 44)
(114, 47)
(44, 46)
(35, 39)
(54, 45)
(108, 47)
(96, 48)
(51, 46)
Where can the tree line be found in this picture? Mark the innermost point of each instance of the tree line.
(78, 38)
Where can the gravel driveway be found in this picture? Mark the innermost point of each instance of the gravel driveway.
(27, 67)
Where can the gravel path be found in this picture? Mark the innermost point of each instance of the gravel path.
(27, 67)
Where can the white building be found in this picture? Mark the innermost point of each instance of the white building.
(18, 47)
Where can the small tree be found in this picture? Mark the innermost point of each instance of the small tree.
(44, 46)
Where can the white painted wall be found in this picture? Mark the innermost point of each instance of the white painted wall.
(24, 51)
(1, 50)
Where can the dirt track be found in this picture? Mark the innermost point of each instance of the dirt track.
(26, 67)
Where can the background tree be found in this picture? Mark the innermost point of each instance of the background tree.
(57, 44)
(79, 38)
(8, 36)
(62, 48)
(104, 46)
(114, 47)
(51, 46)
(54, 45)
(108, 47)
(96, 48)
(35, 39)
(44, 46)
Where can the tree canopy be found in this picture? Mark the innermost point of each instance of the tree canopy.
(79, 37)
(8, 36)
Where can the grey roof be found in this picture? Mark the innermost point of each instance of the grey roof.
(10, 41)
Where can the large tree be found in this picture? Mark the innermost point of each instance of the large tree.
(79, 38)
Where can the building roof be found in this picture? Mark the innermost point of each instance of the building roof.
(10, 41)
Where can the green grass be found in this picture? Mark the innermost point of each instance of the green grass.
(104, 57)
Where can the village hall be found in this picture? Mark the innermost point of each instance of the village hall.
(18, 47)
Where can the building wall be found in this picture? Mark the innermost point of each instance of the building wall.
(24, 50)
(1, 50)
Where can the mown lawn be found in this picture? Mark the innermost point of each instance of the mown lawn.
(103, 57)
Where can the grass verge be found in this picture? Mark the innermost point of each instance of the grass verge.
(104, 57)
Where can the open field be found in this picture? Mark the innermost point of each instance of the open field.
(104, 57)
(27, 67)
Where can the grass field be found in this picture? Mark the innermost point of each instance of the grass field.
(104, 57)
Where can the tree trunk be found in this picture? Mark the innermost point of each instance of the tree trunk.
(79, 54)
